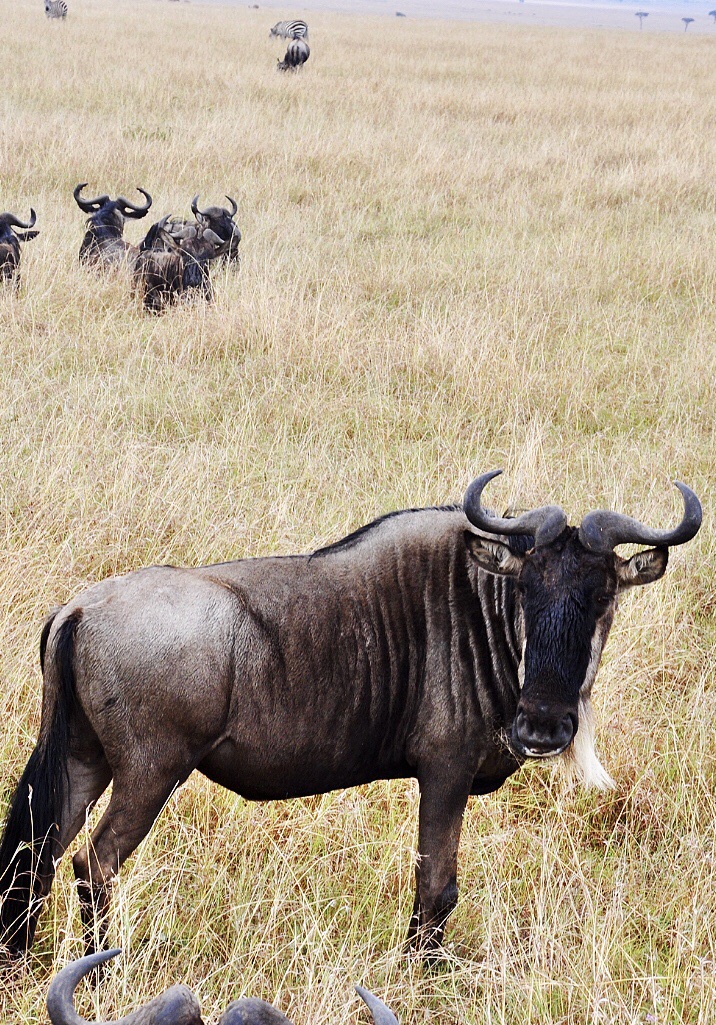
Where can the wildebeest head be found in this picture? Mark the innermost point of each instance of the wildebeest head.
(567, 587)
(110, 213)
(178, 1005)
(220, 220)
(10, 240)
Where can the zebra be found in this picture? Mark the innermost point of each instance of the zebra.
(290, 30)
(55, 8)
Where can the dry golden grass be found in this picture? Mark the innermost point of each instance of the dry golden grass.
(464, 247)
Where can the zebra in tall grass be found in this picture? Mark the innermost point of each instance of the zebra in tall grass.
(55, 8)
(290, 30)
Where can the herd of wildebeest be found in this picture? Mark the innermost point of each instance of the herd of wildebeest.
(173, 258)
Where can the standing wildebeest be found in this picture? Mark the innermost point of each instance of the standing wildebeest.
(297, 53)
(10, 243)
(296, 29)
(103, 244)
(433, 643)
(165, 268)
(178, 1005)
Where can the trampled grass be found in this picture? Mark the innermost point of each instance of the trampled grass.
(464, 247)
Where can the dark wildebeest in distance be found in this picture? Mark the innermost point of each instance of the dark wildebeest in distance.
(168, 266)
(297, 53)
(10, 240)
(444, 644)
(217, 219)
(103, 244)
(178, 1005)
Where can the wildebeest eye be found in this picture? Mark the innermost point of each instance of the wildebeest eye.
(604, 600)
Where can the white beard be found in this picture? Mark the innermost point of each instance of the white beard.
(580, 761)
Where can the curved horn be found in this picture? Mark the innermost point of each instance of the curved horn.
(130, 210)
(602, 530)
(183, 231)
(15, 222)
(381, 1014)
(178, 1005)
(60, 1002)
(545, 523)
(195, 207)
(211, 236)
(232, 213)
(89, 206)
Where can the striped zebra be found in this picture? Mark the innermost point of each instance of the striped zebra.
(290, 30)
(55, 8)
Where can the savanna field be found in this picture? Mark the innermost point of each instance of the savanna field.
(465, 247)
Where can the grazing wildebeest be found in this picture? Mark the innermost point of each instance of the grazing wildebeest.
(103, 244)
(443, 644)
(218, 219)
(296, 29)
(165, 269)
(297, 53)
(178, 1005)
(10, 243)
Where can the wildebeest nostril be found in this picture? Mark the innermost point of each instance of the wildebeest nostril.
(541, 736)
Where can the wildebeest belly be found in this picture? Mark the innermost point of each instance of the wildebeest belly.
(265, 775)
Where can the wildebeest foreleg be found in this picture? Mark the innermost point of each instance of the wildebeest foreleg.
(442, 804)
(135, 804)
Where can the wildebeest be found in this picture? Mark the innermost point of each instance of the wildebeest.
(297, 53)
(165, 269)
(178, 1005)
(444, 644)
(103, 244)
(295, 29)
(10, 240)
(218, 219)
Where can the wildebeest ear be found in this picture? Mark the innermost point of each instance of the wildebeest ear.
(642, 568)
(26, 236)
(493, 556)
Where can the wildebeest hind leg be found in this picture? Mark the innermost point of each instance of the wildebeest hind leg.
(135, 804)
(87, 781)
(442, 804)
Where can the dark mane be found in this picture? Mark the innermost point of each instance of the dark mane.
(519, 544)
(350, 540)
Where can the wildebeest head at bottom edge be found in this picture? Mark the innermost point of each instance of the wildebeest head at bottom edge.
(178, 1005)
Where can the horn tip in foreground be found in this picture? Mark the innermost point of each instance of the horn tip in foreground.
(60, 993)
(381, 1014)
(693, 509)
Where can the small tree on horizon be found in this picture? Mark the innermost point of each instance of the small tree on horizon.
(641, 15)
(712, 14)
(687, 22)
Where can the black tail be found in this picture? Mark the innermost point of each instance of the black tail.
(30, 841)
